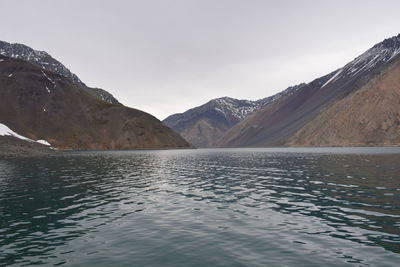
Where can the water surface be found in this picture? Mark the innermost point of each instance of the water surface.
(232, 207)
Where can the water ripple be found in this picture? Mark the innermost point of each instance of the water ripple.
(247, 207)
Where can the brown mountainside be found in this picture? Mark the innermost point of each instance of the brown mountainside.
(287, 121)
(41, 104)
(204, 124)
(369, 116)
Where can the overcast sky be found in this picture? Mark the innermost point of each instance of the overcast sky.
(166, 56)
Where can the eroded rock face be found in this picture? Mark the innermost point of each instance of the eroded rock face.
(287, 121)
(370, 116)
(41, 104)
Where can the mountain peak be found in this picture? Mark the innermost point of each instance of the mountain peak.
(383, 51)
(392, 42)
(38, 104)
(40, 58)
(231, 101)
(47, 62)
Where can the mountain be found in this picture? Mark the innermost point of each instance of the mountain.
(357, 104)
(208, 122)
(368, 117)
(46, 62)
(205, 124)
(41, 104)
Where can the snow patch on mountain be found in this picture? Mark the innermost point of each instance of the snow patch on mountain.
(334, 77)
(234, 107)
(50, 80)
(381, 53)
(242, 108)
(40, 58)
(47, 62)
(5, 131)
(43, 142)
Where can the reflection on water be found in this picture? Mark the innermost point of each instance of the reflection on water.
(238, 207)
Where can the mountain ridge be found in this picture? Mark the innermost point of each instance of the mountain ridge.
(217, 116)
(275, 123)
(212, 119)
(47, 62)
(374, 120)
(44, 105)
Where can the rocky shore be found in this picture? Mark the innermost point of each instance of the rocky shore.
(14, 147)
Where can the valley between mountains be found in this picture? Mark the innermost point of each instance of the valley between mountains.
(44, 105)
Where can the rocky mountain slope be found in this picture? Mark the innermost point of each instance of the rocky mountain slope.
(354, 105)
(45, 105)
(45, 61)
(369, 116)
(205, 124)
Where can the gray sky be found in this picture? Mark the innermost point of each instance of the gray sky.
(165, 56)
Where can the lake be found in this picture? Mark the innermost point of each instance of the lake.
(205, 207)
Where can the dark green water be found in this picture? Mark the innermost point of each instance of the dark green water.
(238, 207)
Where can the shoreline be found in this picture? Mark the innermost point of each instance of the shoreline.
(13, 147)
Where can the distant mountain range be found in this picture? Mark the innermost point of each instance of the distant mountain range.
(41, 99)
(205, 124)
(356, 105)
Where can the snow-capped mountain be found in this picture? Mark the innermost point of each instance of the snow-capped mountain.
(204, 124)
(234, 107)
(40, 58)
(47, 62)
(366, 90)
(239, 109)
(379, 54)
